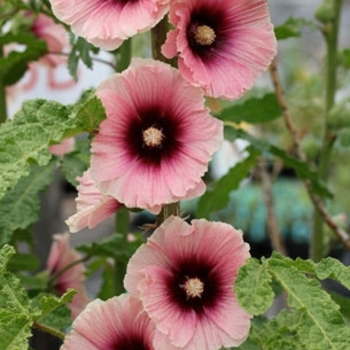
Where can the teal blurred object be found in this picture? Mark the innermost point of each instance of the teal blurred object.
(247, 211)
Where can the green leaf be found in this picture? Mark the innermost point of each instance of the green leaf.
(292, 28)
(114, 246)
(14, 330)
(23, 262)
(81, 50)
(218, 196)
(253, 287)
(262, 146)
(75, 163)
(15, 307)
(15, 64)
(40, 123)
(280, 332)
(20, 207)
(89, 114)
(322, 327)
(26, 139)
(54, 312)
(254, 110)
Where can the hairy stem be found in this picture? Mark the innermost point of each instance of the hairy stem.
(55, 332)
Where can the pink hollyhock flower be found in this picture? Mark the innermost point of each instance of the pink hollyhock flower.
(60, 256)
(62, 148)
(117, 323)
(92, 206)
(107, 24)
(184, 276)
(55, 36)
(157, 139)
(223, 45)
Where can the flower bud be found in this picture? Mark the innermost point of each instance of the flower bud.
(311, 146)
(339, 116)
(325, 12)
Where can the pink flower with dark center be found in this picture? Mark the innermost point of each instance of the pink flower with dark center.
(60, 256)
(92, 206)
(117, 323)
(158, 137)
(223, 45)
(56, 39)
(107, 23)
(184, 276)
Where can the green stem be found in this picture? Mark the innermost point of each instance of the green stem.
(56, 333)
(331, 35)
(3, 106)
(122, 227)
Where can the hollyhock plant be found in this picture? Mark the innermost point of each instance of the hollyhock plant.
(184, 276)
(92, 206)
(223, 45)
(158, 137)
(107, 24)
(117, 323)
(55, 37)
(60, 256)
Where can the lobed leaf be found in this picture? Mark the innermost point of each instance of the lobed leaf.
(322, 326)
(253, 287)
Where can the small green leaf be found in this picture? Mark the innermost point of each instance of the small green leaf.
(75, 163)
(53, 310)
(81, 50)
(218, 196)
(15, 64)
(292, 28)
(253, 287)
(89, 114)
(254, 110)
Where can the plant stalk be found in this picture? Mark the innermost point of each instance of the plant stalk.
(331, 31)
(55, 332)
(122, 227)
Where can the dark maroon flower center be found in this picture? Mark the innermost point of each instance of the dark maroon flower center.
(194, 285)
(153, 136)
(206, 32)
(131, 342)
